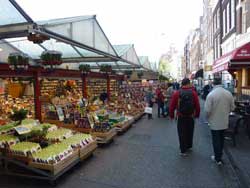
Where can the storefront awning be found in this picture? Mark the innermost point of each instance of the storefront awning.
(239, 57)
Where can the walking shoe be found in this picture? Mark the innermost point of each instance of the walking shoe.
(190, 149)
(219, 163)
(183, 154)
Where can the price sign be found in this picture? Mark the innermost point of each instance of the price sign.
(60, 113)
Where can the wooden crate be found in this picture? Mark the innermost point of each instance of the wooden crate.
(25, 159)
(68, 126)
(124, 127)
(104, 138)
(82, 130)
(58, 167)
(87, 150)
(56, 122)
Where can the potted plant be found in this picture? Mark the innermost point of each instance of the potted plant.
(128, 73)
(140, 74)
(84, 68)
(106, 69)
(51, 58)
(37, 38)
(163, 78)
(18, 61)
(19, 115)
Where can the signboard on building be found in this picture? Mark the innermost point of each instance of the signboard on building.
(208, 68)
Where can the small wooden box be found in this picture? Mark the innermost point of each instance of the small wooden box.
(87, 150)
(57, 167)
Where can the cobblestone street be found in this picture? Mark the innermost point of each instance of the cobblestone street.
(146, 156)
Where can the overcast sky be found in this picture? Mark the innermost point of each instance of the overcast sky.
(151, 25)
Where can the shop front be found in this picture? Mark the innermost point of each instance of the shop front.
(234, 68)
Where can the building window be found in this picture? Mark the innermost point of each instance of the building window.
(248, 77)
(214, 24)
(232, 14)
(218, 18)
(218, 46)
(228, 18)
(239, 20)
(215, 50)
(224, 23)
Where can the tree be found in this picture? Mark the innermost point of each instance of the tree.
(166, 60)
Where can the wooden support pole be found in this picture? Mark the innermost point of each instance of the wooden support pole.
(37, 96)
(108, 86)
(84, 86)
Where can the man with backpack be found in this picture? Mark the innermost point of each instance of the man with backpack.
(186, 102)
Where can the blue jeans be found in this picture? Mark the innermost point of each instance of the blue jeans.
(218, 143)
(161, 109)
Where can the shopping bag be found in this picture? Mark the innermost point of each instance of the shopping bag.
(148, 110)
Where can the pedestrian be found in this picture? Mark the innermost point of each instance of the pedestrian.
(207, 88)
(186, 102)
(103, 96)
(176, 85)
(150, 100)
(160, 102)
(169, 94)
(218, 105)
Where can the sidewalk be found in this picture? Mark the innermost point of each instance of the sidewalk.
(147, 156)
(240, 156)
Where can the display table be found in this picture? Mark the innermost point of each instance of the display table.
(124, 126)
(87, 151)
(43, 155)
(68, 126)
(60, 166)
(139, 116)
(51, 172)
(104, 137)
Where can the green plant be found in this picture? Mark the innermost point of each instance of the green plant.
(140, 74)
(106, 68)
(128, 72)
(19, 115)
(18, 59)
(163, 78)
(84, 68)
(51, 57)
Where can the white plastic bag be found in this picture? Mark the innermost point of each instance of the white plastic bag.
(148, 110)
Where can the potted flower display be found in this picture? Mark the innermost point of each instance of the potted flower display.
(106, 69)
(51, 58)
(37, 38)
(128, 73)
(140, 74)
(84, 68)
(19, 115)
(18, 61)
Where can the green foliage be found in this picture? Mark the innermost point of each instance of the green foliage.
(163, 78)
(128, 72)
(140, 74)
(18, 59)
(39, 132)
(53, 56)
(84, 68)
(106, 68)
(19, 115)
